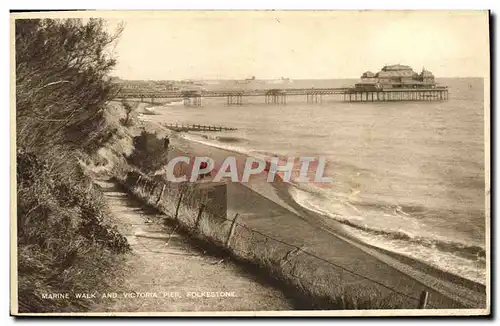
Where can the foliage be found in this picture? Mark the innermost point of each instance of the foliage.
(65, 241)
(127, 121)
(61, 83)
(150, 153)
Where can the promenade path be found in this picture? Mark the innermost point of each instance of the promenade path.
(167, 264)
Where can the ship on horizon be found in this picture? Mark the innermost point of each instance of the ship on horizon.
(253, 79)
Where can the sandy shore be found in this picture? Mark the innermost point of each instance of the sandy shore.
(267, 208)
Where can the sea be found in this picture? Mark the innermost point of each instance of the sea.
(408, 177)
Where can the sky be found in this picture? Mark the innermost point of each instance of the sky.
(298, 44)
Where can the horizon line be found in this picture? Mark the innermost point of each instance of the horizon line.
(278, 78)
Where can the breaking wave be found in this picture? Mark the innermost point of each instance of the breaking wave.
(461, 258)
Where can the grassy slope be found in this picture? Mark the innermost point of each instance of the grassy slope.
(66, 241)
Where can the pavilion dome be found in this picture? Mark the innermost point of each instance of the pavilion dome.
(368, 74)
(426, 73)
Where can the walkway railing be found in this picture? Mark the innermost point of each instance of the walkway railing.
(148, 186)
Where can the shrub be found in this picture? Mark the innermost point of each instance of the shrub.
(62, 86)
(150, 153)
(128, 120)
(64, 238)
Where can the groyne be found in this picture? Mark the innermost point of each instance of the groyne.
(195, 127)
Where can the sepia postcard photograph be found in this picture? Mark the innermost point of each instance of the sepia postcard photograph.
(250, 163)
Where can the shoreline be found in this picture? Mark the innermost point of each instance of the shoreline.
(278, 192)
(418, 270)
(281, 195)
(326, 223)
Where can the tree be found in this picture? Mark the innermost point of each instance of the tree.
(61, 82)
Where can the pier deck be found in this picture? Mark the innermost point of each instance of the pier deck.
(396, 94)
(279, 96)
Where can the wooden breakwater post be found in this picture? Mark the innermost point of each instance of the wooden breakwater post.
(424, 297)
(231, 230)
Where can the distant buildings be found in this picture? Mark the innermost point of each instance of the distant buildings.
(396, 76)
(156, 85)
(140, 85)
(255, 81)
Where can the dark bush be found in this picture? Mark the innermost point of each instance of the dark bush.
(129, 118)
(150, 153)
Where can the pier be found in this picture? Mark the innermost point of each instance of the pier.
(311, 95)
(195, 127)
(234, 97)
(392, 83)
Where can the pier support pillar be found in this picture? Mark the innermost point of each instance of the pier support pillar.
(314, 98)
(192, 101)
(276, 98)
(236, 99)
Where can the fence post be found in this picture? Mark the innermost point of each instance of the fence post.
(231, 230)
(197, 224)
(152, 188)
(289, 255)
(178, 205)
(424, 296)
(161, 194)
(146, 186)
